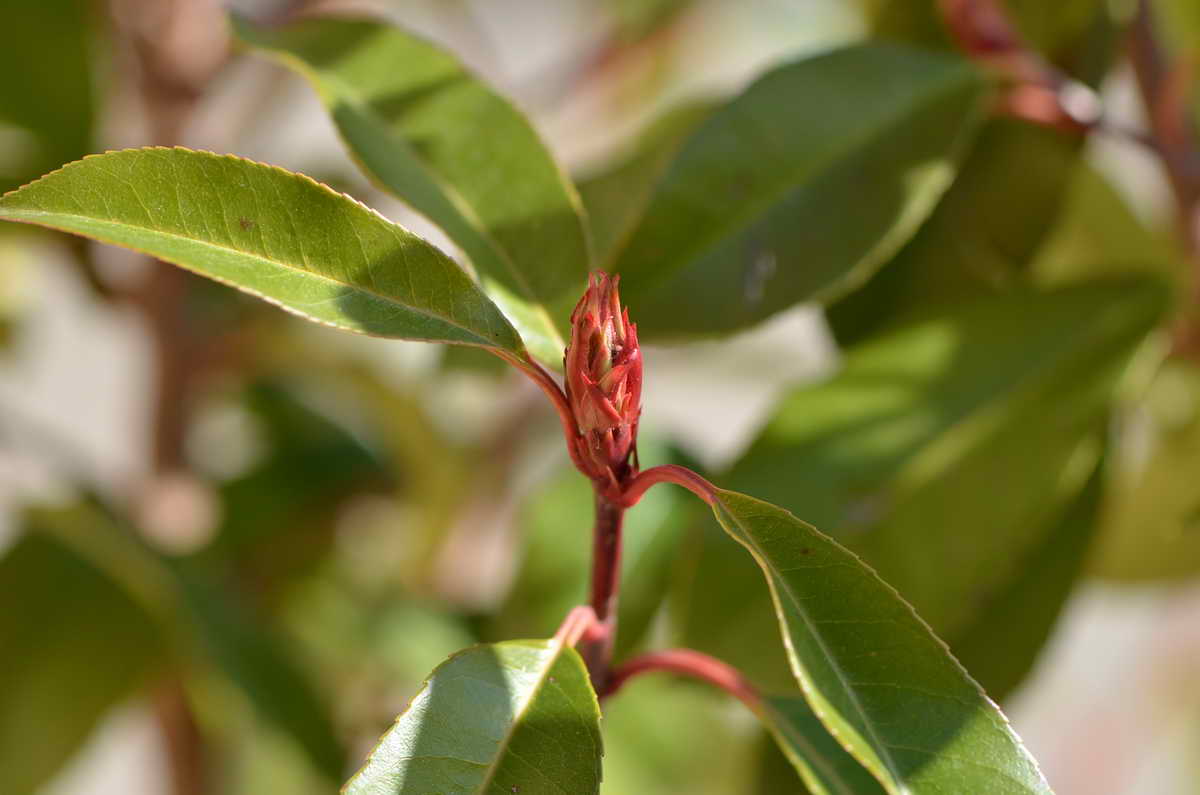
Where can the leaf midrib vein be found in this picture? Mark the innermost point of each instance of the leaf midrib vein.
(253, 256)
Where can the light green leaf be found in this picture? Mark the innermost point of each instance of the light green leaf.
(518, 716)
(872, 671)
(435, 135)
(275, 234)
(765, 204)
(75, 645)
(1151, 524)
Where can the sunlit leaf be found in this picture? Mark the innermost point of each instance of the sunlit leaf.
(871, 670)
(275, 234)
(518, 716)
(942, 453)
(435, 135)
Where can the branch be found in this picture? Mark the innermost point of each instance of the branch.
(691, 663)
(667, 473)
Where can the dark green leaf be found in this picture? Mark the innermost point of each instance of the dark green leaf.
(518, 716)
(1001, 644)
(435, 135)
(764, 205)
(46, 115)
(616, 196)
(871, 670)
(202, 621)
(277, 235)
(75, 644)
(982, 236)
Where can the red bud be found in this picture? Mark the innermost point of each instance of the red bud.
(604, 381)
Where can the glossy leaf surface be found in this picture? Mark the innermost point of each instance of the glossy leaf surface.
(439, 138)
(275, 234)
(518, 716)
(764, 204)
(872, 671)
(942, 453)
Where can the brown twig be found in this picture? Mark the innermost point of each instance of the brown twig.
(667, 473)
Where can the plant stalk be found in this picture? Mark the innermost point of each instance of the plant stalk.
(597, 649)
(690, 663)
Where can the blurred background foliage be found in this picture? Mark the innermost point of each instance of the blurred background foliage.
(234, 544)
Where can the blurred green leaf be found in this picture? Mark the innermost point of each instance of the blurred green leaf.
(616, 196)
(871, 670)
(436, 136)
(666, 736)
(1151, 525)
(824, 765)
(75, 644)
(764, 205)
(1079, 35)
(272, 233)
(1002, 643)
(259, 662)
(553, 574)
(204, 623)
(1097, 235)
(942, 453)
(46, 114)
(518, 716)
(637, 19)
(981, 237)
(276, 517)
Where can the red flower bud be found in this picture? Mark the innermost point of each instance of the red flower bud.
(604, 381)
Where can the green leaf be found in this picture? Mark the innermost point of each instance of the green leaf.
(46, 116)
(203, 622)
(435, 135)
(518, 716)
(982, 236)
(616, 196)
(75, 645)
(825, 766)
(277, 235)
(871, 670)
(1002, 643)
(1151, 524)
(943, 451)
(764, 205)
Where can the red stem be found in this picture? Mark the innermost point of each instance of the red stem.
(558, 398)
(667, 473)
(687, 662)
(606, 580)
